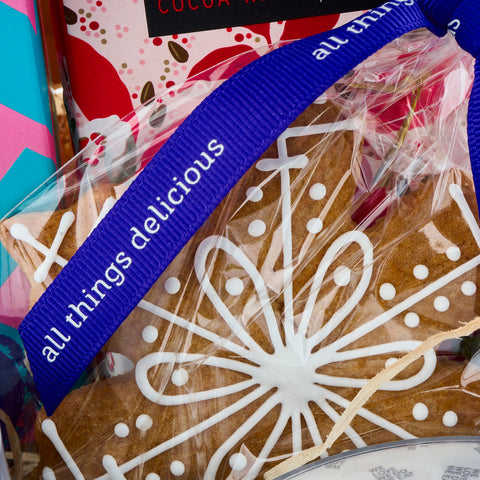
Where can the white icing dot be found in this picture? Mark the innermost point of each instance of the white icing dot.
(314, 225)
(172, 285)
(152, 476)
(469, 288)
(390, 362)
(179, 377)
(450, 419)
(420, 272)
(150, 334)
(342, 276)
(441, 304)
(317, 191)
(453, 254)
(254, 194)
(177, 468)
(257, 228)
(420, 411)
(387, 291)
(412, 320)
(121, 430)
(144, 422)
(234, 286)
(238, 461)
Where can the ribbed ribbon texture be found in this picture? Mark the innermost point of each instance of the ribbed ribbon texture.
(227, 133)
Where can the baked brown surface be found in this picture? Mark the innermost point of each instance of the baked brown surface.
(269, 321)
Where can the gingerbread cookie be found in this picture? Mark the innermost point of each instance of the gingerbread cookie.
(43, 242)
(276, 313)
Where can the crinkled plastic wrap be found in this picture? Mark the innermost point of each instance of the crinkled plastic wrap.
(110, 160)
(352, 240)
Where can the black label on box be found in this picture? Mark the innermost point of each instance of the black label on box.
(166, 17)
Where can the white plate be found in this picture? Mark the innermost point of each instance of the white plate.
(446, 458)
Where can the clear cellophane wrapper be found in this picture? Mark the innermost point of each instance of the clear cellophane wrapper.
(349, 243)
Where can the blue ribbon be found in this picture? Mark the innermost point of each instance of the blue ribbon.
(197, 167)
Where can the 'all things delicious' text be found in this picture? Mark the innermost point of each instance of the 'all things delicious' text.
(159, 211)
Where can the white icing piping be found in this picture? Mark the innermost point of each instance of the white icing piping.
(190, 433)
(313, 428)
(287, 249)
(404, 305)
(283, 162)
(457, 195)
(110, 465)
(107, 206)
(332, 253)
(428, 367)
(21, 232)
(200, 269)
(195, 329)
(334, 416)
(316, 129)
(65, 223)
(366, 414)
(236, 437)
(50, 430)
(359, 352)
(296, 431)
(157, 358)
(401, 346)
(269, 445)
(430, 361)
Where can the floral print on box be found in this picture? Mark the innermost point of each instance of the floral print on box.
(113, 66)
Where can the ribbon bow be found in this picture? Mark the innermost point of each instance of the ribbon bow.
(231, 129)
(462, 19)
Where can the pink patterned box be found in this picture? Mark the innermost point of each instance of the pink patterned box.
(112, 65)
